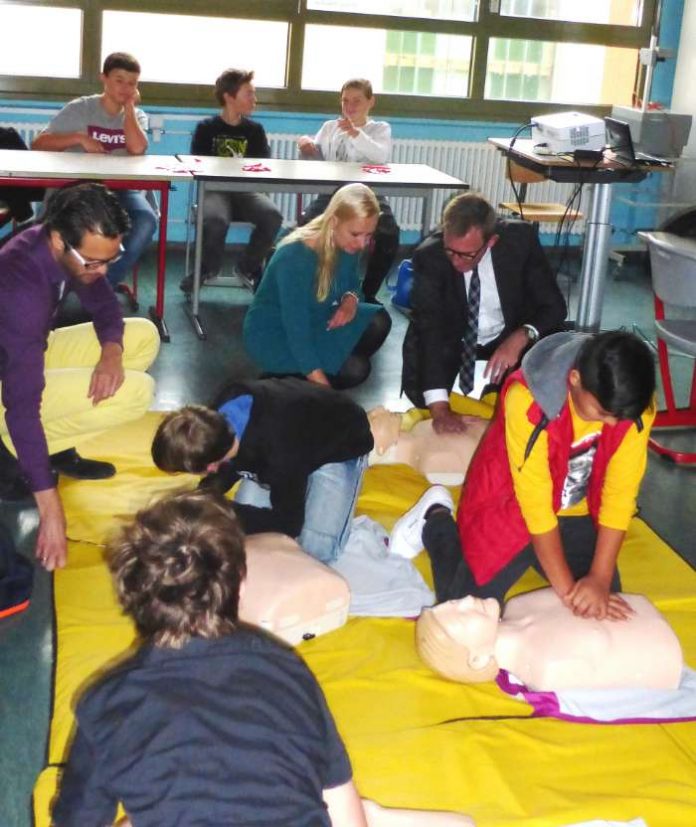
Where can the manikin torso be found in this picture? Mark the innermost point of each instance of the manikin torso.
(442, 458)
(541, 642)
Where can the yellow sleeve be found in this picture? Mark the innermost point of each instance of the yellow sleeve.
(624, 474)
(531, 477)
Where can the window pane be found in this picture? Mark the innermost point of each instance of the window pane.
(409, 63)
(437, 9)
(179, 48)
(563, 72)
(40, 41)
(612, 12)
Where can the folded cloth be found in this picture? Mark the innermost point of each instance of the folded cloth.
(381, 584)
(616, 706)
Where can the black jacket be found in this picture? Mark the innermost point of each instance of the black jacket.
(528, 295)
(294, 428)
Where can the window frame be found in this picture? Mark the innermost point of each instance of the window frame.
(294, 99)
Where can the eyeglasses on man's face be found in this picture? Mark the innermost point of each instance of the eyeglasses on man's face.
(94, 263)
(464, 255)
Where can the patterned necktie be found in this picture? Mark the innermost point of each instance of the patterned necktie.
(470, 337)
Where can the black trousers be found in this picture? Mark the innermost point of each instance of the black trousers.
(453, 578)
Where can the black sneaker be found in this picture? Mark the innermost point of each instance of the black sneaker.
(70, 464)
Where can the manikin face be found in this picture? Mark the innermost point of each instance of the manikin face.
(244, 102)
(120, 85)
(586, 404)
(356, 106)
(472, 622)
(465, 251)
(354, 235)
(91, 259)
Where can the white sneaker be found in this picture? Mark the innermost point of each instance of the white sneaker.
(406, 537)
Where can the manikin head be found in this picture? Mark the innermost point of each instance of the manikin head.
(457, 639)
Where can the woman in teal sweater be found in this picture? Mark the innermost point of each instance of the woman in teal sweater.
(307, 317)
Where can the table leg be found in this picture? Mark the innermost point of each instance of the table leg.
(427, 215)
(197, 256)
(157, 312)
(595, 260)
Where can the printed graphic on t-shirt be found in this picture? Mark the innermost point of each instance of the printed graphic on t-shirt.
(111, 139)
(582, 454)
(227, 147)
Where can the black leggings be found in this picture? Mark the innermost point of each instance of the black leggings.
(452, 576)
(356, 368)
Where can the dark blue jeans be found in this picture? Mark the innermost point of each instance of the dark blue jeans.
(453, 578)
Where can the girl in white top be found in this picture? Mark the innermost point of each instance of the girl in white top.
(355, 137)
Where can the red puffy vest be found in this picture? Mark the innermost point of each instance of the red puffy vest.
(491, 527)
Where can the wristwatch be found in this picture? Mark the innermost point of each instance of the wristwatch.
(532, 333)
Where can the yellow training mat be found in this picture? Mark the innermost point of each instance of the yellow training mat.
(415, 739)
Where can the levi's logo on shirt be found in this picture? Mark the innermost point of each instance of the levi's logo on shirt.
(111, 139)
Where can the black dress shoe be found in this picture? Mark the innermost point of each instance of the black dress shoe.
(70, 464)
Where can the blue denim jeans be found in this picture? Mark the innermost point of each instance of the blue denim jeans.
(143, 226)
(332, 491)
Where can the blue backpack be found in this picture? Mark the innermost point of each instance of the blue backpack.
(16, 577)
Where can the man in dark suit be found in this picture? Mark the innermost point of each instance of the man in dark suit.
(513, 286)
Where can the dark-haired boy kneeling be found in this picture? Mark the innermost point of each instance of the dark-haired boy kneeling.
(555, 479)
(211, 722)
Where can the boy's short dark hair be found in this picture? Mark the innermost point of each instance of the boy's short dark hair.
(120, 60)
(618, 369)
(361, 84)
(178, 568)
(467, 211)
(230, 82)
(75, 209)
(190, 439)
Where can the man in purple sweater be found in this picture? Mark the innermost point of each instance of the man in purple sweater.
(62, 385)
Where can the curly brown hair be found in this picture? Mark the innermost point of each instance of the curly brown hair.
(178, 568)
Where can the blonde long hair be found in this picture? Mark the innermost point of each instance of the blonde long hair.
(350, 202)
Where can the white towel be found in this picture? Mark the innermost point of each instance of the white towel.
(381, 584)
(616, 706)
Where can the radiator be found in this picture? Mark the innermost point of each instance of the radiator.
(480, 165)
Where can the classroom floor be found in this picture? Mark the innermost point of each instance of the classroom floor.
(188, 370)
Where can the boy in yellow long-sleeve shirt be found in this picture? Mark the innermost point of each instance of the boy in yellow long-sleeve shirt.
(554, 482)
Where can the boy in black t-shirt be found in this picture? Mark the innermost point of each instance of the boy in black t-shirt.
(231, 134)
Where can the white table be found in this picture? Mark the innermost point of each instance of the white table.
(149, 172)
(300, 176)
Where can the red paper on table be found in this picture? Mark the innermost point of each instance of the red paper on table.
(376, 169)
(255, 168)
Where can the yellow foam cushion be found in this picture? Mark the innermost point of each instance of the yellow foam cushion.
(415, 739)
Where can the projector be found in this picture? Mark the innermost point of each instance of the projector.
(568, 131)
